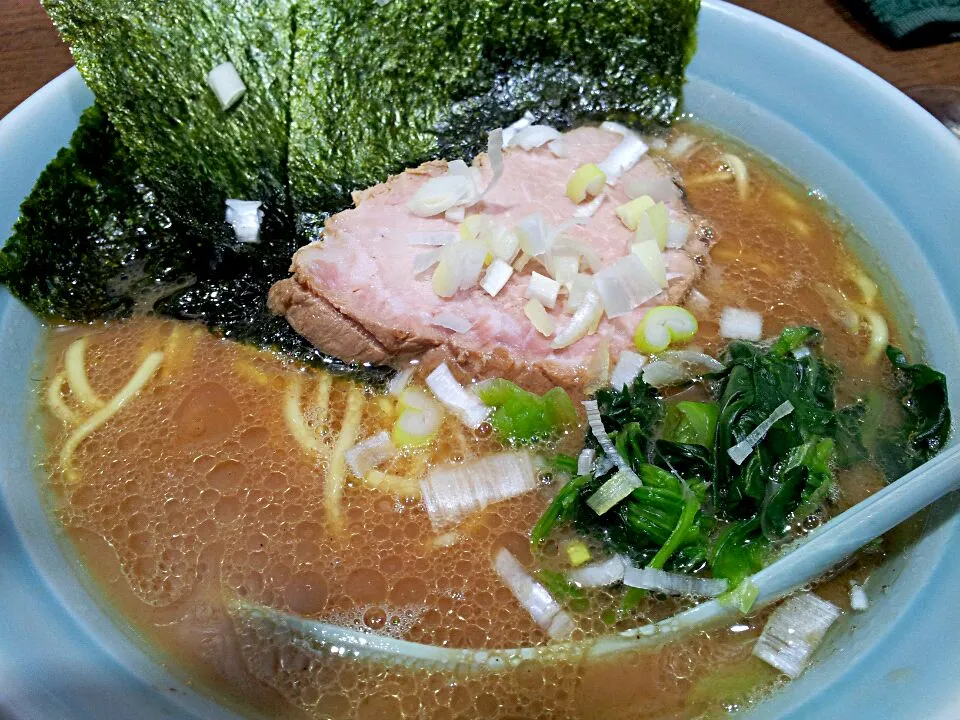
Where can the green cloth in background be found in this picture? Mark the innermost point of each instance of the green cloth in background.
(902, 17)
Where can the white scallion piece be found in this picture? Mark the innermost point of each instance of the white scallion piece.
(600, 433)
(511, 131)
(451, 322)
(741, 451)
(503, 242)
(534, 234)
(613, 491)
(577, 290)
(558, 148)
(455, 214)
(367, 454)
(673, 583)
(459, 268)
(625, 285)
(682, 147)
(425, 260)
(585, 461)
(652, 258)
(564, 244)
(677, 233)
(586, 317)
(590, 209)
(453, 491)
(399, 382)
(543, 289)
(794, 631)
(597, 374)
(452, 395)
(698, 301)
(419, 420)
(440, 194)
(496, 277)
(600, 574)
(533, 136)
(432, 239)
(226, 84)
(628, 366)
(495, 155)
(521, 262)
(446, 540)
(602, 466)
(623, 157)
(660, 188)
(245, 216)
(616, 127)
(740, 324)
(858, 598)
(539, 317)
(534, 597)
(676, 367)
(564, 268)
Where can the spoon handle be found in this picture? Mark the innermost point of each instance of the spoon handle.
(851, 530)
(833, 542)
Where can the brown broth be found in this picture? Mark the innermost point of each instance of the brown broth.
(197, 492)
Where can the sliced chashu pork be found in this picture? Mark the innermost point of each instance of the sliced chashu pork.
(355, 293)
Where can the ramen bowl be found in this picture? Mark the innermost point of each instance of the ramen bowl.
(883, 163)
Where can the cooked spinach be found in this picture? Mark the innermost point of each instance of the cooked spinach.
(693, 423)
(679, 449)
(924, 417)
(756, 381)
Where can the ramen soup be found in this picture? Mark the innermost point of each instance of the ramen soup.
(226, 502)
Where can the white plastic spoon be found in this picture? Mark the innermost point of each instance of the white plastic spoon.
(800, 563)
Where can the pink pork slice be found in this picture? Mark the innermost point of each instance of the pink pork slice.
(355, 294)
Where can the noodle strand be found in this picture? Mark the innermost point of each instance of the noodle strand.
(134, 385)
(77, 375)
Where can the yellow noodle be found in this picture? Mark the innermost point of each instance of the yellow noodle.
(249, 371)
(390, 484)
(868, 288)
(179, 348)
(879, 335)
(57, 404)
(848, 316)
(134, 385)
(740, 173)
(710, 178)
(336, 473)
(852, 312)
(385, 404)
(321, 402)
(800, 226)
(293, 417)
(77, 376)
(787, 200)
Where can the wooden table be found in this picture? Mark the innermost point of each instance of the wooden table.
(31, 53)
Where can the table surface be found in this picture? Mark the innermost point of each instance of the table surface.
(31, 53)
